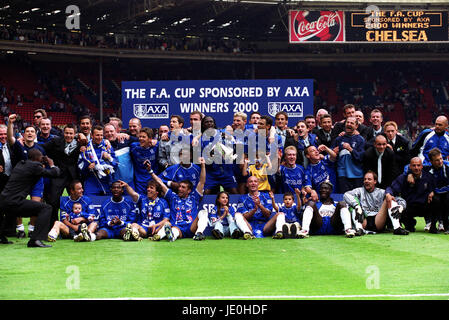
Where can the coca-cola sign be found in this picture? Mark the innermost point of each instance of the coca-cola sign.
(316, 26)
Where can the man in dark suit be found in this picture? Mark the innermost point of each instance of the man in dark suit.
(399, 144)
(5, 158)
(13, 197)
(376, 119)
(380, 159)
(339, 127)
(324, 134)
(65, 152)
(6, 164)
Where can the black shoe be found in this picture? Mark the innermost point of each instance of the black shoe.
(285, 231)
(21, 234)
(236, 234)
(11, 233)
(199, 236)
(37, 244)
(360, 232)
(293, 231)
(433, 228)
(401, 232)
(4, 240)
(30, 233)
(217, 234)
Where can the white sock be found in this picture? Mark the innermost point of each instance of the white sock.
(307, 218)
(357, 224)
(280, 221)
(202, 221)
(30, 228)
(161, 233)
(346, 218)
(93, 237)
(241, 223)
(20, 227)
(53, 233)
(230, 219)
(176, 233)
(395, 222)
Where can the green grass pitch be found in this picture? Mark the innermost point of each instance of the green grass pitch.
(381, 266)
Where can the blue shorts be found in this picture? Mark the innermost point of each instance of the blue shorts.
(38, 189)
(185, 230)
(238, 174)
(114, 233)
(326, 228)
(72, 233)
(226, 182)
(258, 228)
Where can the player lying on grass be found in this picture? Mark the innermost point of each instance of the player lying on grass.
(116, 215)
(154, 212)
(287, 219)
(370, 207)
(326, 217)
(185, 220)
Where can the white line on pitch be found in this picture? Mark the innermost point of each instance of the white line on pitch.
(288, 297)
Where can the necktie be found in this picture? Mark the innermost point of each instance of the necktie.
(7, 158)
(306, 143)
(379, 168)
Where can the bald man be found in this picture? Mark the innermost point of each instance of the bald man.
(318, 115)
(359, 116)
(418, 195)
(438, 137)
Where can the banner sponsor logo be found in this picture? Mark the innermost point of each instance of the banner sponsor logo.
(151, 110)
(293, 109)
(313, 26)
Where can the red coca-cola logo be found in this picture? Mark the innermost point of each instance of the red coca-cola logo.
(316, 26)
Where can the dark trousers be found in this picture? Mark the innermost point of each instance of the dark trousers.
(418, 210)
(441, 206)
(347, 184)
(9, 222)
(57, 186)
(29, 208)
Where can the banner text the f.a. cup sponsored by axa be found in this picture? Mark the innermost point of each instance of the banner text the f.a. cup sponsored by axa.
(154, 102)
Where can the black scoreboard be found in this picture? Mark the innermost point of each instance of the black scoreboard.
(396, 26)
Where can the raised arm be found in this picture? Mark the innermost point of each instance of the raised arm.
(10, 129)
(332, 154)
(133, 194)
(155, 177)
(275, 206)
(200, 186)
(298, 198)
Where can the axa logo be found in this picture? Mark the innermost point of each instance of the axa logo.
(151, 110)
(293, 109)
